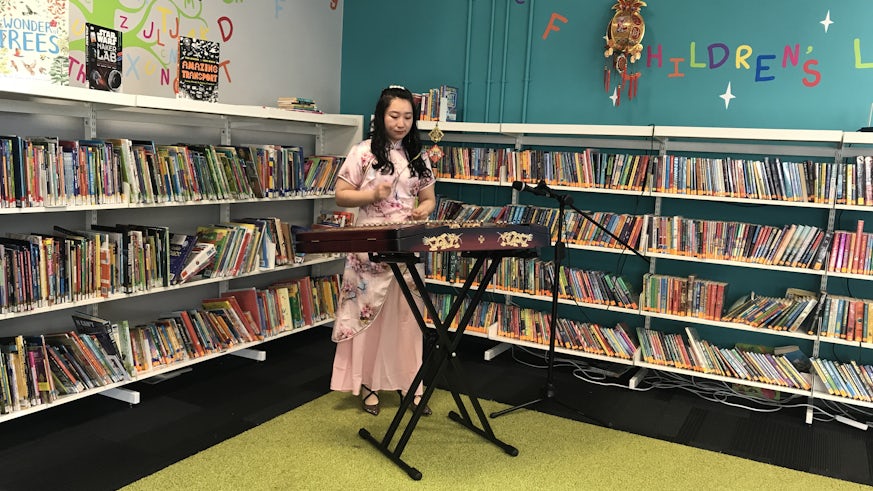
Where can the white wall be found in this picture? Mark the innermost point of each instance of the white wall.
(273, 48)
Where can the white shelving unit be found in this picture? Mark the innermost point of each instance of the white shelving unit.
(78, 113)
(826, 145)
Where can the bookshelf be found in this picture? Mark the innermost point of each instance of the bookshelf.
(76, 113)
(825, 147)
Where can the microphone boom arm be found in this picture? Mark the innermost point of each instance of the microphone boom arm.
(542, 189)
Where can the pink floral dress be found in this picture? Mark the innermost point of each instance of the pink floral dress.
(379, 342)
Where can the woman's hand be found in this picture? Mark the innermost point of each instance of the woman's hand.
(382, 191)
(420, 213)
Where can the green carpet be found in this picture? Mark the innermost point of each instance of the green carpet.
(317, 446)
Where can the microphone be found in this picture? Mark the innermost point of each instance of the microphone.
(538, 190)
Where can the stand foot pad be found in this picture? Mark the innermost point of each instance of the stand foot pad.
(412, 472)
(509, 449)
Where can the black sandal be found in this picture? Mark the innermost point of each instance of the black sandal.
(369, 408)
(424, 412)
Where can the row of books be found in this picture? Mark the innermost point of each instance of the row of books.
(486, 313)
(791, 313)
(746, 362)
(162, 173)
(447, 266)
(585, 169)
(850, 380)
(534, 277)
(481, 164)
(47, 171)
(438, 104)
(691, 296)
(236, 317)
(449, 209)
(791, 245)
(582, 229)
(783, 367)
(531, 325)
(618, 341)
(38, 369)
(599, 287)
(842, 317)
(578, 229)
(19, 358)
(851, 251)
(298, 104)
(241, 246)
(684, 296)
(290, 304)
(671, 349)
(847, 318)
(70, 265)
(769, 178)
(39, 270)
(535, 326)
(799, 246)
(525, 324)
(704, 299)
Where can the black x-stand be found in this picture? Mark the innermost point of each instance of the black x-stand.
(440, 353)
(550, 391)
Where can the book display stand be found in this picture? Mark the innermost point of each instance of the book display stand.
(549, 391)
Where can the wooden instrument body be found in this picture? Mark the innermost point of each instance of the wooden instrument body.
(434, 236)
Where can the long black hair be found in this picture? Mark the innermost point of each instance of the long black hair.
(379, 142)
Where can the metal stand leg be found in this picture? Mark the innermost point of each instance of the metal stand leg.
(441, 355)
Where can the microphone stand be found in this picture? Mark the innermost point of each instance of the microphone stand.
(549, 392)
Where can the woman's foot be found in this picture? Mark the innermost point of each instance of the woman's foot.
(369, 400)
(415, 402)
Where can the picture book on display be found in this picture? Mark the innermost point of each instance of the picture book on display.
(181, 246)
(103, 57)
(448, 103)
(200, 257)
(198, 69)
(44, 24)
(102, 333)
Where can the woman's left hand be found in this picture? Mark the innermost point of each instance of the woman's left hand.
(419, 213)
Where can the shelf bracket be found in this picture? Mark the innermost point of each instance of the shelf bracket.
(124, 395)
(156, 379)
(90, 218)
(638, 377)
(225, 131)
(251, 354)
(319, 138)
(90, 122)
(494, 352)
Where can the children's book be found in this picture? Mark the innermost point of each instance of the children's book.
(198, 69)
(41, 50)
(181, 246)
(103, 57)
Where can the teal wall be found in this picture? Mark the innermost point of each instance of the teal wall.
(559, 79)
(508, 72)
